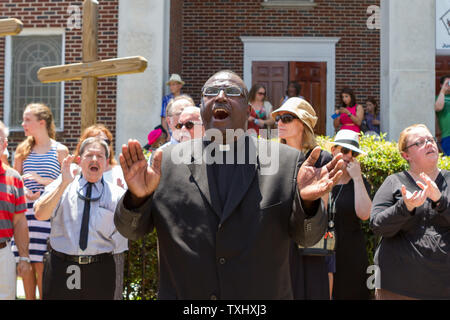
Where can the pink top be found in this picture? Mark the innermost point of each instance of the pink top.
(347, 123)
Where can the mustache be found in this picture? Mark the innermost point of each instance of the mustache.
(224, 106)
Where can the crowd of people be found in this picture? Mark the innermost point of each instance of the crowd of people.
(225, 229)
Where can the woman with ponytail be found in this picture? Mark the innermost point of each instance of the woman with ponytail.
(38, 159)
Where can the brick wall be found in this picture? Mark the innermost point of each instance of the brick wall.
(211, 31)
(53, 13)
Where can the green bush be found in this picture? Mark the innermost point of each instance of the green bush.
(141, 269)
(141, 266)
(382, 160)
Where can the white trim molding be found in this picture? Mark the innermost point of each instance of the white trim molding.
(8, 68)
(306, 49)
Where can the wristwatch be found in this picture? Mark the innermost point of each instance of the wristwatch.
(27, 259)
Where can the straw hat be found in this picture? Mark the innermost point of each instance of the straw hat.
(348, 139)
(175, 78)
(302, 109)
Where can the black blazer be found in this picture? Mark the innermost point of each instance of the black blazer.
(241, 252)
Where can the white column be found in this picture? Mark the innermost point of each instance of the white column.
(142, 31)
(407, 64)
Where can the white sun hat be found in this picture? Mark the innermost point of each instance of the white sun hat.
(348, 139)
(175, 78)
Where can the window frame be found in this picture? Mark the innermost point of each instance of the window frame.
(292, 4)
(8, 72)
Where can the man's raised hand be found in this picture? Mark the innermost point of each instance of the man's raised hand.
(142, 180)
(68, 172)
(313, 182)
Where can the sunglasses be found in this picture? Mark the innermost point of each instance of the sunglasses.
(285, 118)
(346, 150)
(261, 93)
(188, 124)
(232, 91)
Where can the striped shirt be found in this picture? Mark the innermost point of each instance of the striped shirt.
(12, 201)
(47, 166)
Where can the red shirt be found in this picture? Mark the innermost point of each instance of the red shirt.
(260, 115)
(12, 201)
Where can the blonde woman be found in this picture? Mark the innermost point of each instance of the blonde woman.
(38, 159)
(411, 214)
(311, 276)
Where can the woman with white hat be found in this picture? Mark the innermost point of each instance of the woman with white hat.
(296, 119)
(350, 203)
(411, 213)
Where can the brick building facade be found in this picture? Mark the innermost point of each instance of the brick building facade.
(211, 31)
(54, 14)
(205, 38)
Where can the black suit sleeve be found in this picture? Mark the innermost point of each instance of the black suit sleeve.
(306, 227)
(133, 223)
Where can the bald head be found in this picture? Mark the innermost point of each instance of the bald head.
(224, 102)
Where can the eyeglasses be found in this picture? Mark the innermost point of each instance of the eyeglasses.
(285, 118)
(261, 93)
(188, 124)
(422, 142)
(346, 150)
(232, 91)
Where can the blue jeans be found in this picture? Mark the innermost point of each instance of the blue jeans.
(445, 145)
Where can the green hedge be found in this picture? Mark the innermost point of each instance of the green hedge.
(382, 160)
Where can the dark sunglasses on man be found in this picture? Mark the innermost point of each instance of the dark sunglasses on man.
(188, 124)
(285, 118)
(346, 150)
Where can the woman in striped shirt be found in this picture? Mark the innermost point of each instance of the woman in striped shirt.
(38, 159)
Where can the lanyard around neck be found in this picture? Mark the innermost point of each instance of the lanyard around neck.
(91, 199)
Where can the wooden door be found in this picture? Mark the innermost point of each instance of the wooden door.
(273, 76)
(312, 77)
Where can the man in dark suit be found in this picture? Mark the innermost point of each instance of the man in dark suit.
(224, 229)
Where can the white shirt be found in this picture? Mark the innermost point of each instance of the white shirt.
(114, 174)
(103, 236)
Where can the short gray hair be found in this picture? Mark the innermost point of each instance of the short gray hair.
(93, 140)
(177, 98)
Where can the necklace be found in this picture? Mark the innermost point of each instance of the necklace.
(333, 208)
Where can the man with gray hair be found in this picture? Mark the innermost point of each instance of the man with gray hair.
(80, 264)
(190, 124)
(174, 110)
(12, 223)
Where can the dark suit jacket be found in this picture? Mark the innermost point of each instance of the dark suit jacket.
(241, 252)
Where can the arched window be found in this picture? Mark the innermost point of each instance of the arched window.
(28, 55)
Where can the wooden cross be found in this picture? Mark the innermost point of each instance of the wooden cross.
(10, 27)
(91, 68)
